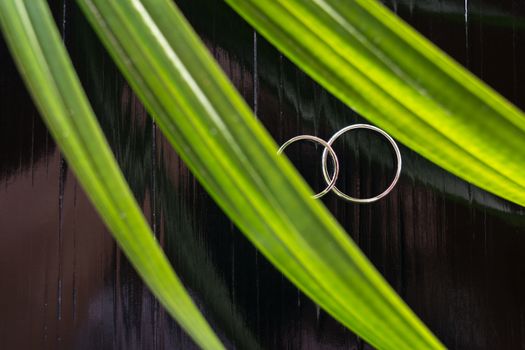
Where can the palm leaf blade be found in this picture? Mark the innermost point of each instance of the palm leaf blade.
(385, 70)
(34, 41)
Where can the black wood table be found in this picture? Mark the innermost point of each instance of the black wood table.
(452, 251)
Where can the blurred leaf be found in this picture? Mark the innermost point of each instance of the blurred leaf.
(490, 13)
(235, 159)
(386, 71)
(43, 61)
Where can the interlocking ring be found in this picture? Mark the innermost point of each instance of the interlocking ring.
(328, 149)
(331, 182)
(396, 150)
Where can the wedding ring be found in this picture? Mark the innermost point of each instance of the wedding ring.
(396, 151)
(330, 181)
(327, 148)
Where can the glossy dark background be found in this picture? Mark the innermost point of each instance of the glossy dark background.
(452, 251)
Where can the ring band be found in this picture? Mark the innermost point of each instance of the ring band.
(327, 148)
(396, 150)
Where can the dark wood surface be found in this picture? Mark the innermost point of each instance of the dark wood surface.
(452, 251)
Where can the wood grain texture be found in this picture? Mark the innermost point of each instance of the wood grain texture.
(452, 251)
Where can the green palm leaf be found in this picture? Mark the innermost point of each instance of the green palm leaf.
(235, 159)
(43, 61)
(386, 71)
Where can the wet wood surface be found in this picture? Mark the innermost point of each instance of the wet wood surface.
(452, 251)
